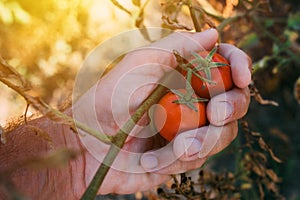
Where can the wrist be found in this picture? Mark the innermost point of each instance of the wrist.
(22, 160)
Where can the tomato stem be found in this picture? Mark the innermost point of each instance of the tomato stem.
(187, 98)
(204, 64)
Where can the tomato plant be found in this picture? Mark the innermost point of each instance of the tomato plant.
(179, 111)
(211, 73)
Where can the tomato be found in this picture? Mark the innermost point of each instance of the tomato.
(221, 79)
(171, 118)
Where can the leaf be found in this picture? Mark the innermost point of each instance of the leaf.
(269, 23)
(262, 156)
(294, 21)
(255, 134)
(273, 175)
(265, 147)
(259, 98)
(258, 169)
(173, 24)
(262, 144)
(275, 158)
(246, 186)
(11, 77)
(136, 2)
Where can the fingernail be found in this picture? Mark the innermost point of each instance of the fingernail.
(222, 111)
(149, 161)
(192, 146)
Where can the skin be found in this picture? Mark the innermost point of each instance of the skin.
(188, 151)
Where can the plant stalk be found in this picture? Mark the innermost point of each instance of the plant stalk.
(120, 138)
(194, 17)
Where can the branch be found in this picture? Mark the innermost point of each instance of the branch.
(194, 17)
(120, 138)
(11, 78)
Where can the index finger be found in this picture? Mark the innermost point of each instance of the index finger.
(241, 64)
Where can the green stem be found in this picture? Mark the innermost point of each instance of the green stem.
(120, 138)
(62, 116)
(100, 136)
(189, 88)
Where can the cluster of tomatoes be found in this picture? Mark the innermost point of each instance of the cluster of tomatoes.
(207, 74)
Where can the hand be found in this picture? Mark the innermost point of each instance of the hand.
(146, 160)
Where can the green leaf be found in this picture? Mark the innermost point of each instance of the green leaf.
(294, 21)
(269, 23)
(276, 49)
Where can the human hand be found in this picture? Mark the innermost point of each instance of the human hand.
(119, 93)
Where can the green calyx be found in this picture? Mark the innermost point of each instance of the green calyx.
(188, 98)
(203, 64)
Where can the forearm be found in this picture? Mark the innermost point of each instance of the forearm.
(26, 146)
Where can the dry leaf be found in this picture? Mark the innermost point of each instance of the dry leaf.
(256, 134)
(273, 175)
(275, 158)
(173, 24)
(136, 2)
(265, 147)
(10, 77)
(258, 169)
(262, 156)
(263, 144)
(259, 98)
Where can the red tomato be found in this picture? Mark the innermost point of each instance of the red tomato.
(220, 76)
(172, 118)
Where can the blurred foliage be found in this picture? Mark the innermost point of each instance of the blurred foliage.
(46, 42)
